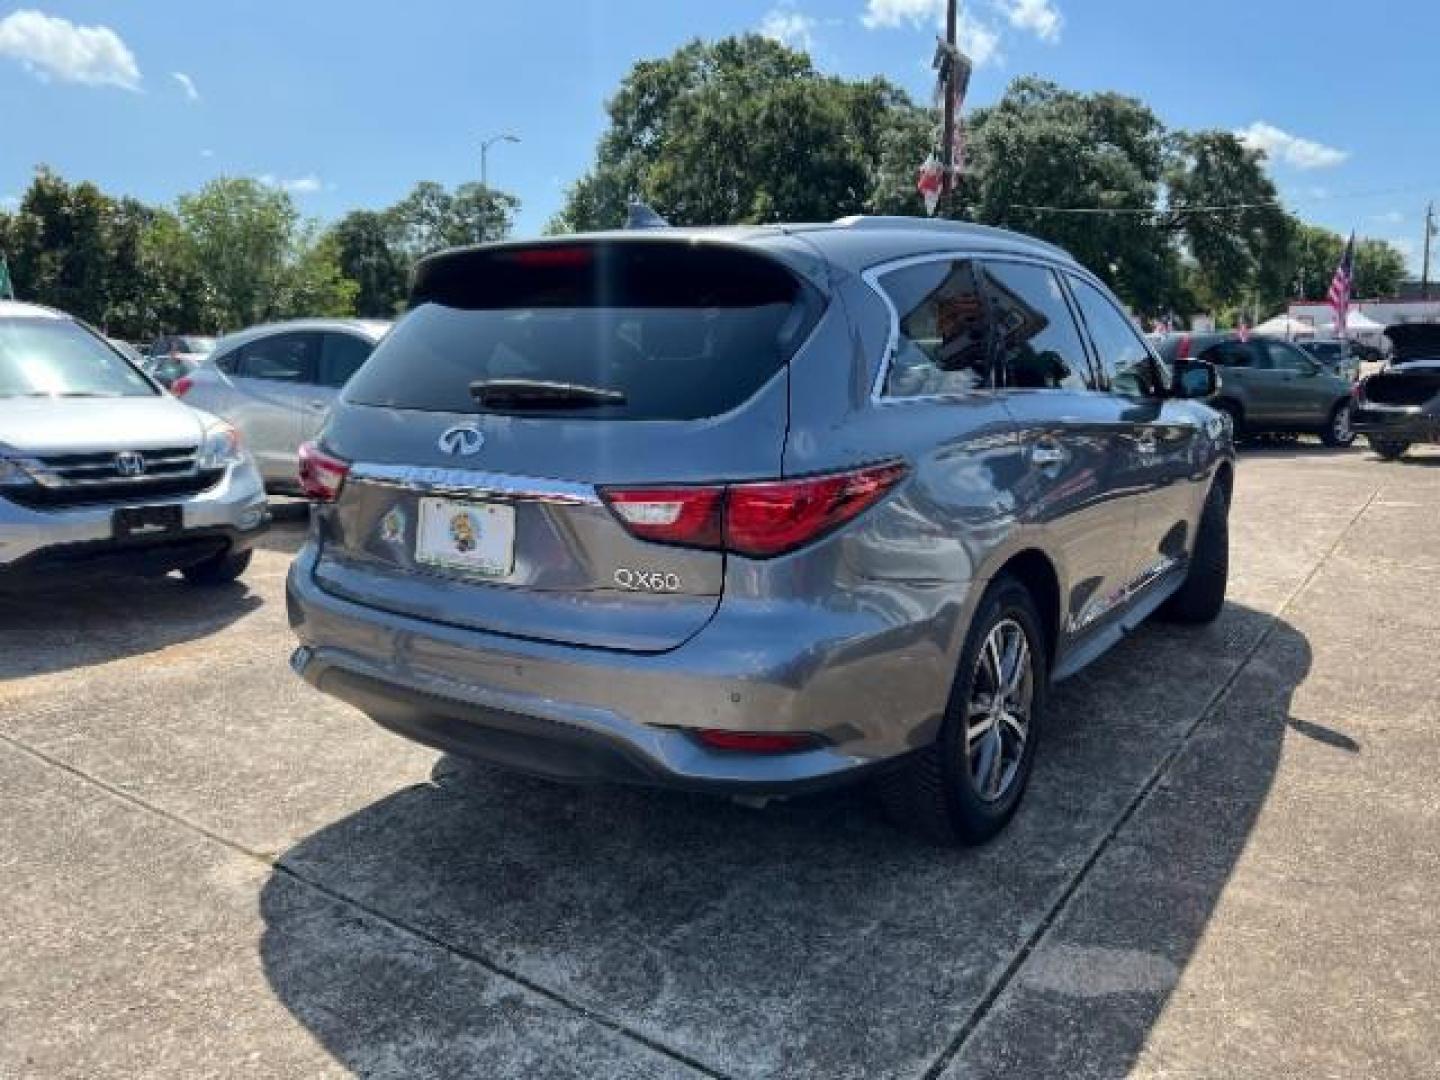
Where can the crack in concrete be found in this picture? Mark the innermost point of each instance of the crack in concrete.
(1022, 956)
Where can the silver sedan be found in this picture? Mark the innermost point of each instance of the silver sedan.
(276, 383)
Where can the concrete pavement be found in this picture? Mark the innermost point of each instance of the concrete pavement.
(1226, 864)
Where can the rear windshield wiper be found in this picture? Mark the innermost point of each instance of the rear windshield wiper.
(535, 394)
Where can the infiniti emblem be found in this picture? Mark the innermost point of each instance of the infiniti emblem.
(462, 441)
(129, 463)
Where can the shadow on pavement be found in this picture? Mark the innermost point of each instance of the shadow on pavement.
(57, 629)
(807, 939)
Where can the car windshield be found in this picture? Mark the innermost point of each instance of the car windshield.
(58, 358)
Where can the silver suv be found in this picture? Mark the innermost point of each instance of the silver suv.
(102, 471)
(756, 510)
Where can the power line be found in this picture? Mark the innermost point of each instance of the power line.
(1155, 210)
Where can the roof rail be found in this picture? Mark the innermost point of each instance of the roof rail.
(897, 221)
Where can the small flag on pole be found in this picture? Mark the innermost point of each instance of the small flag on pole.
(7, 287)
(1340, 285)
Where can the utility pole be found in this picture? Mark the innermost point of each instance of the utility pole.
(485, 145)
(1425, 265)
(951, 19)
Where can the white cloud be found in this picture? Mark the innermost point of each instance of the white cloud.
(1390, 217)
(301, 185)
(187, 84)
(789, 27)
(53, 48)
(207, 153)
(1041, 17)
(1282, 147)
(978, 40)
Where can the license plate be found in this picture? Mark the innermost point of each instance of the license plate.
(478, 538)
(136, 522)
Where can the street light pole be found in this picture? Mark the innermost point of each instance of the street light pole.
(1425, 266)
(485, 145)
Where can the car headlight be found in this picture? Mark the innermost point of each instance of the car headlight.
(222, 448)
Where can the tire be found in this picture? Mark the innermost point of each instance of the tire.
(1338, 431)
(935, 792)
(1237, 418)
(1202, 596)
(219, 569)
(1389, 449)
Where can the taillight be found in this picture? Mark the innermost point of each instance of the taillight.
(321, 474)
(181, 386)
(755, 742)
(760, 520)
(689, 516)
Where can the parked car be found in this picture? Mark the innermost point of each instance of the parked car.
(277, 382)
(756, 511)
(1336, 357)
(173, 356)
(130, 352)
(101, 471)
(1269, 386)
(1401, 406)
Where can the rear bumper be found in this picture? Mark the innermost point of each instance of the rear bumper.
(871, 691)
(1400, 426)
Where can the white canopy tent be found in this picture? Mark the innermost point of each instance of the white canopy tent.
(1357, 322)
(1286, 326)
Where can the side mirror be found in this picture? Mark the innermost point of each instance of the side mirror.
(1195, 379)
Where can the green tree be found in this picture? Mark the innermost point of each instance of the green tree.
(1315, 255)
(58, 248)
(368, 256)
(746, 130)
(430, 218)
(312, 282)
(241, 234)
(1242, 255)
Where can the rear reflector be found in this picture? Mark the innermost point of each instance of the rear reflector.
(755, 742)
(760, 520)
(181, 386)
(321, 474)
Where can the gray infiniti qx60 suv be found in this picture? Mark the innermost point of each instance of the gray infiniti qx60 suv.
(756, 510)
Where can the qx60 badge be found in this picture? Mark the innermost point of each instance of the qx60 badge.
(647, 580)
(462, 441)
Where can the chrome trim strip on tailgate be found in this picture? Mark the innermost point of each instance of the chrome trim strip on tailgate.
(472, 482)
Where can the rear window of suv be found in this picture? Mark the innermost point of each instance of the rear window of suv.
(662, 330)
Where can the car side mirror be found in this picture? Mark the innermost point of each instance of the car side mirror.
(1196, 379)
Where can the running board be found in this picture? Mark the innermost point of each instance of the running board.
(1095, 645)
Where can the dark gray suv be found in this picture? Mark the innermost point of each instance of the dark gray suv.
(1269, 386)
(756, 510)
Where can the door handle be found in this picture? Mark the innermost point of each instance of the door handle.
(1047, 454)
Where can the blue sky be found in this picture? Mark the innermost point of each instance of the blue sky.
(349, 102)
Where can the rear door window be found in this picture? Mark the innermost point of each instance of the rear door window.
(279, 358)
(1229, 354)
(944, 329)
(1038, 342)
(649, 330)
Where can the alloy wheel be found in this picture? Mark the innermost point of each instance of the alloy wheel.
(997, 717)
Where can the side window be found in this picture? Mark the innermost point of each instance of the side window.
(1038, 342)
(1129, 367)
(944, 345)
(1288, 357)
(279, 358)
(340, 357)
(227, 361)
(1230, 354)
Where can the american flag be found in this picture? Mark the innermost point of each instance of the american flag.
(1340, 287)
